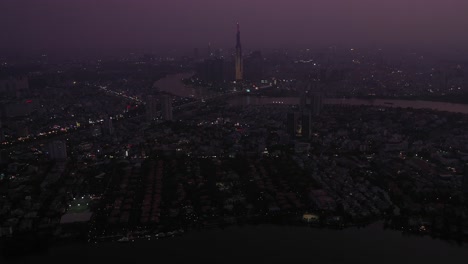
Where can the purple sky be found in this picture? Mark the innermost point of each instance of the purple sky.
(146, 25)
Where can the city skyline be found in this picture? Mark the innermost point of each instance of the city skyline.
(86, 27)
(166, 124)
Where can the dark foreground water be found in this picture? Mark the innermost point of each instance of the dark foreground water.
(267, 244)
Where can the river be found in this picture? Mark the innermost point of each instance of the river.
(439, 106)
(268, 244)
(173, 84)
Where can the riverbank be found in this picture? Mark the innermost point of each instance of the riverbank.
(266, 243)
(455, 98)
(52, 247)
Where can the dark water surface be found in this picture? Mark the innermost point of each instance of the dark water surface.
(439, 106)
(173, 84)
(267, 244)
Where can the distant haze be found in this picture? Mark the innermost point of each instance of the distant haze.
(112, 26)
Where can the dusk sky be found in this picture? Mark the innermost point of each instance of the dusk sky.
(93, 26)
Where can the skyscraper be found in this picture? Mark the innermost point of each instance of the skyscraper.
(299, 124)
(209, 50)
(316, 101)
(253, 66)
(302, 90)
(306, 125)
(238, 60)
(211, 70)
(166, 105)
(151, 108)
(107, 126)
(14, 86)
(294, 124)
(310, 104)
(312, 99)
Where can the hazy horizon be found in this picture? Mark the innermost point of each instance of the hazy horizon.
(114, 26)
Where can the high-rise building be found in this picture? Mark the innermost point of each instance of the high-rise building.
(217, 53)
(229, 71)
(294, 124)
(57, 150)
(14, 86)
(253, 66)
(210, 53)
(211, 70)
(312, 99)
(299, 124)
(238, 59)
(166, 107)
(306, 125)
(151, 108)
(107, 126)
(302, 88)
(316, 102)
(310, 105)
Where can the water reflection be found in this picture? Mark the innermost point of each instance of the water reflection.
(271, 244)
(440, 106)
(173, 84)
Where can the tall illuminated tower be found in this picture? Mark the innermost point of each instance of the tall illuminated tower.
(239, 66)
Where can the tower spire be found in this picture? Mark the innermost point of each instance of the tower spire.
(238, 61)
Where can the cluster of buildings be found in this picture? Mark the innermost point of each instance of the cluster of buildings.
(96, 146)
(159, 107)
(299, 123)
(219, 162)
(359, 164)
